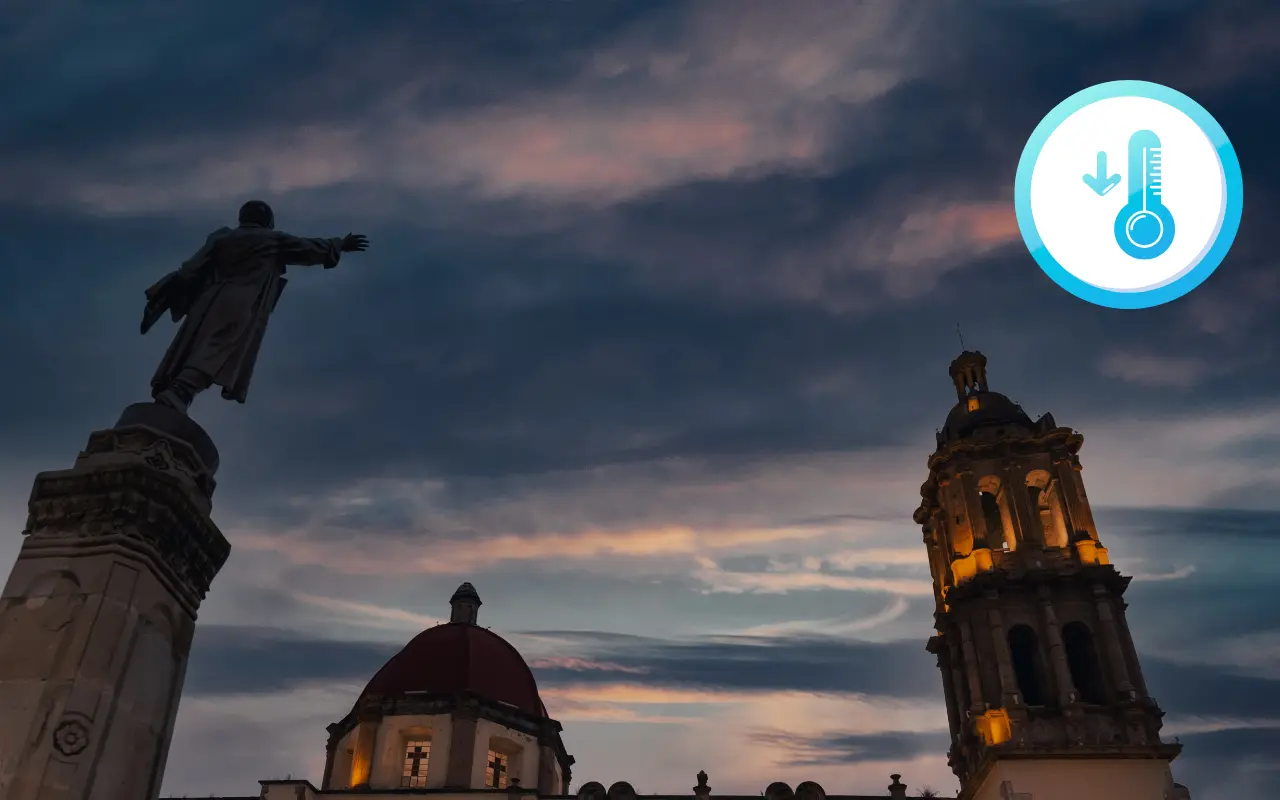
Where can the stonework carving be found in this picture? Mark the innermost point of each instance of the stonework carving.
(116, 495)
(71, 737)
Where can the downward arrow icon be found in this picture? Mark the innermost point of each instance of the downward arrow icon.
(1100, 183)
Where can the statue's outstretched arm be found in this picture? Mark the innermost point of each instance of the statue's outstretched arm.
(300, 252)
(297, 251)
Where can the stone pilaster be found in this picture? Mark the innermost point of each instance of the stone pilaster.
(1112, 648)
(1067, 469)
(366, 746)
(1004, 661)
(547, 770)
(462, 748)
(98, 613)
(955, 666)
(1057, 653)
(976, 702)
(330, 751)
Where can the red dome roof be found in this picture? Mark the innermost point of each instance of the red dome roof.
(460, 657)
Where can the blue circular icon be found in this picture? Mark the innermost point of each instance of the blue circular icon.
(1144, 228)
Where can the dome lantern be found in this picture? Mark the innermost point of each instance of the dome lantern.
(464, 605)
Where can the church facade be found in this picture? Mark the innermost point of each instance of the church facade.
(1044, 692)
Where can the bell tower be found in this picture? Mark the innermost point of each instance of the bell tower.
(1044, 692)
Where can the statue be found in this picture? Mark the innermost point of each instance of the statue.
(224, 295)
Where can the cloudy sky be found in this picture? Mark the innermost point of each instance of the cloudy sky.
(651, 345)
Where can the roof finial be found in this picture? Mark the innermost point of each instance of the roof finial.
(464, 605)
(960, 335)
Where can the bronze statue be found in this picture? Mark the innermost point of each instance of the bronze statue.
(224, 295)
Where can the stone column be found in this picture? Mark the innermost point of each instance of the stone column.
(1078, 513)
(1130, 651)
(97, 616)
(1061, 513)
(1111, 643)
(1057, 652)
(977, 704)
(956, 676)
(1025, 518)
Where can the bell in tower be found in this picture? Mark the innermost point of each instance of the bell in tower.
(1043, 687)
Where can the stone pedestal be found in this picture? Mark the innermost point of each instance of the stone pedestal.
(97, 616)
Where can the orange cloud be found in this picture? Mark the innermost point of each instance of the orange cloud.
(453, 556)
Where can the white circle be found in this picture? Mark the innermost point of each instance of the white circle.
(1133, 219)
(1077, 226)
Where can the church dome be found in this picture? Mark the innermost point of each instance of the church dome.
(981, 410)
(459, 656)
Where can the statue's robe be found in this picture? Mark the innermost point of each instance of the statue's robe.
(224, 295)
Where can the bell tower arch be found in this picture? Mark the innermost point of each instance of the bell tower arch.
(1043, 686)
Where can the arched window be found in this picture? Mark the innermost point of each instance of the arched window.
(1036, 532)
(1082, 660)
(991, 515)
(1025, 652)
(1046, 506)
(995, 513)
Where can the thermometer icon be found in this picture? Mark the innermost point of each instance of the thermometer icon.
(1144, 227)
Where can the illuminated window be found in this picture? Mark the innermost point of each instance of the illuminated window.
(416, 756)
(496, 770)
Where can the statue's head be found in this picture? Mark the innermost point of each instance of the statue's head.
(256, 212)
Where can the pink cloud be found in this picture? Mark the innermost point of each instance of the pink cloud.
(756, 90)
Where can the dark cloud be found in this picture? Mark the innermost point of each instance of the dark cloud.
(820, 665)
(522, 354)
(1180, 690)
(236, 660)
(1227, 764)
(233, 660)
(850, 748)
(1225, 523)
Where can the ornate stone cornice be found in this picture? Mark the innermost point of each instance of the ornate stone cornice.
(545, 730)
(137, 492)
(960, 454)
(1054, 573)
